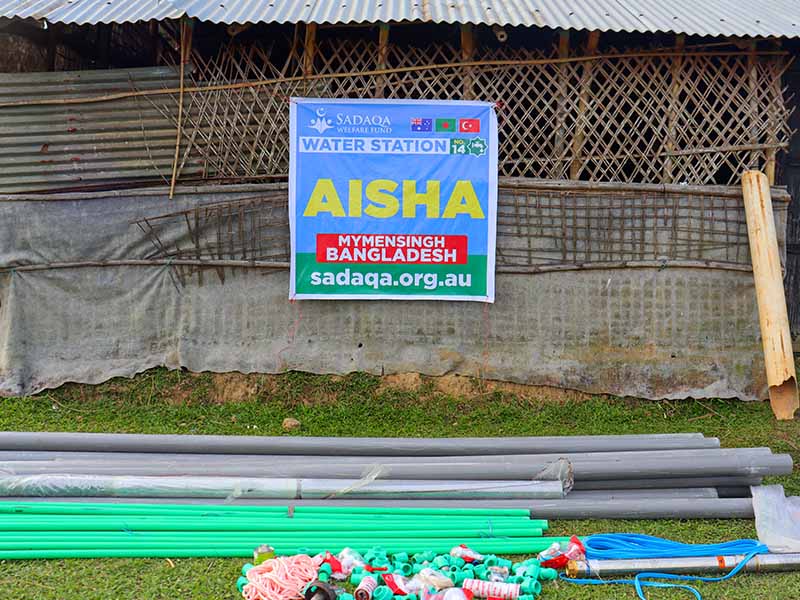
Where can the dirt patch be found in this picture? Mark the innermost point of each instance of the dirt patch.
(238, 387)
(405, 382)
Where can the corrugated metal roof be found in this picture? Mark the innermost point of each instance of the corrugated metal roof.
(46, 147)
(703, 17)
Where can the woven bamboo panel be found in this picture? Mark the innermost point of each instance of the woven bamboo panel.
(696, 118)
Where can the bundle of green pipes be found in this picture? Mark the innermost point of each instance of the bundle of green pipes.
(94, 530)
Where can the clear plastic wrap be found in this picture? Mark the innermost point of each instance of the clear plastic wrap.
(777, 518)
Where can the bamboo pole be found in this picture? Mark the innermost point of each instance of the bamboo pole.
(383, 54)
(309, 49)
(769, 166)
(674, 93)
(773, 316)
(561, 109)
(186, 43)
(468, 55)
(583, 104)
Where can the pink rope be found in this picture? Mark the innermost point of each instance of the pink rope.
(281, 578)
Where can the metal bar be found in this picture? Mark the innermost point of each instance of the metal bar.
(761, 563)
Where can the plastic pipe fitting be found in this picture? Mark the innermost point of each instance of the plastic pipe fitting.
(240, 583)
(382, 592)
(246, 567)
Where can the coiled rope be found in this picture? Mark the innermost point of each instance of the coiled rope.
(614, 546)
(280, 578)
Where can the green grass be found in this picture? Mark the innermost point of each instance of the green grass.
(161, 401)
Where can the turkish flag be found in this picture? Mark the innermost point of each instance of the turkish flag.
(469, 125)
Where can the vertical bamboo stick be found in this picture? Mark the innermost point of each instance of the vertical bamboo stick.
(769, 166)
(773, 316)
(383, 54)
(468, 54)
(309, 49)
(561, 109)
(672, 119)
(185, 45)
(752, 74)
(583, 103)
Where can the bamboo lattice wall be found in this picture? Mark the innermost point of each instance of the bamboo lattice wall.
(697, 117)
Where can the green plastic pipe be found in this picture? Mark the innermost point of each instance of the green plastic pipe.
(247, 552)
(5, 518)
(488, 512)
(168, 524)
(88, 544)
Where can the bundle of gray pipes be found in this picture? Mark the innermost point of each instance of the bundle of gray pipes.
(683, 475)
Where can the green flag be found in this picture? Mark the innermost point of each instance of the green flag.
(446, 125)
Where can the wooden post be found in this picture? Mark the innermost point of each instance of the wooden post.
(583, 103)
(561, 109)
(672, 119)
(773, 316)
(309, 49)
(468, 54)
(383, 53)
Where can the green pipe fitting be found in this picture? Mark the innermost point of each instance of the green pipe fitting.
(246, 567)
(424, 556)
(382, 592)
(458, 577)
(324, 577)
(326, 568)
(531, 586)
(490, 560)
(345, 596)
(356, 577)
(546, 574)
(417, 567)
(400, 557)
(503, 563)
(457, 561)
(515, 579)
(403, 568)
(441, 561)
(240, 583)
(526, 597)
(481, 571)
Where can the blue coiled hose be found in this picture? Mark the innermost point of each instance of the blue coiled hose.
(620, 546)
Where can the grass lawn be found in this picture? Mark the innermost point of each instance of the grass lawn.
(161, 401)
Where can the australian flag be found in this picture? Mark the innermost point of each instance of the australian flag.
(421, 124)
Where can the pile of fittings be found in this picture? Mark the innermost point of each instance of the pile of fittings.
(684, 475)
(460, 574)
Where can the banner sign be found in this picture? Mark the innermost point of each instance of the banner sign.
(392, 199)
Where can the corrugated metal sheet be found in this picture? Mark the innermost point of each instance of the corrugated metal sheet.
(48, 147)
(709, 17)
(90, 11)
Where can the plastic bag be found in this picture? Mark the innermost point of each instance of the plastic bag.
(777, 518)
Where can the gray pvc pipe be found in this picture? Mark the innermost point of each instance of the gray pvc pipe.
(652, 508)
(257, 487)
(219, 444)
(45, 458)
(624, 484)
(710, 463)
(699, 492)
